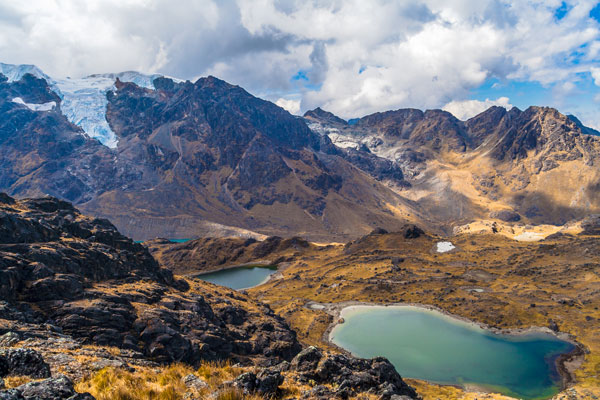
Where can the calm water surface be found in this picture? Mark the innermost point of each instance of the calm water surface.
(240, 277)
(426, 344)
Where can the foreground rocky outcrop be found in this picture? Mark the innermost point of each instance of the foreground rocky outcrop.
(349, 375)
(90, 282)
(79, 298)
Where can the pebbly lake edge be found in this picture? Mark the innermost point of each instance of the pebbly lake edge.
(566, 364)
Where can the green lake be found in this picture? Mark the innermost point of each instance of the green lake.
(240, 277)
(428, 345)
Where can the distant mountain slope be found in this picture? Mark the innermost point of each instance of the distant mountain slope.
(533, 166)
(161, 157)
(189, 155)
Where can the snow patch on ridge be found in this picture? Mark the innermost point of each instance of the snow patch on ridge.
(83, 100)
(35, 107)
(444, 247)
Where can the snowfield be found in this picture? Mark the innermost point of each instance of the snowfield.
(83, 100)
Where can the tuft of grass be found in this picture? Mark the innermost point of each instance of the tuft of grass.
(14, 381)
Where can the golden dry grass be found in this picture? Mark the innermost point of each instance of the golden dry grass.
(14, 381)
(525, 284)
(165, 383)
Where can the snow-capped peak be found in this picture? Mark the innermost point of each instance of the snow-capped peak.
(84, 99)
(142, 80)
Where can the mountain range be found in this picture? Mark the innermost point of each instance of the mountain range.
(164, 157)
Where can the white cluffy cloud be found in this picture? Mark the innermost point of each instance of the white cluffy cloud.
(351, 57)
(293, 106)
(466, 109)
(595, 75)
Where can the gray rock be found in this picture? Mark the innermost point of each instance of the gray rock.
(266, 382)
(269, 381)
(9, 339)
(246, 381)
(307, 359)
(59, 388)
(191, 381)
(98, 365)
(10, 394)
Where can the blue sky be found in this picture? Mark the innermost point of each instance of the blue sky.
(352, 57)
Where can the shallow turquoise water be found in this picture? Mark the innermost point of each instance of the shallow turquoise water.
(429, 345)
(240, 277)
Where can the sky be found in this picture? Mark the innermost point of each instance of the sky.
(350, 57)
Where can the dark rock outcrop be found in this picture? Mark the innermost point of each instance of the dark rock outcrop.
(349, 376)
(59, 388)
(591, 225)
(506, 215)
(23, 362)
(266, 383)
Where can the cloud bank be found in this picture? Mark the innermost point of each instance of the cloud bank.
(351, 57)
(466, 109)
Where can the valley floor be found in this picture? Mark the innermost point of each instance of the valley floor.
(490, 279)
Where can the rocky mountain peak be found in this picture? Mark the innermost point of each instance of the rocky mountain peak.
(320, 115)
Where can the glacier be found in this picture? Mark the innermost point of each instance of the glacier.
(83, 100)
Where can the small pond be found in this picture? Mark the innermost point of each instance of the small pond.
(239, 278)
(426, 344)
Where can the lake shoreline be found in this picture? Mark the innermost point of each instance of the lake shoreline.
(232, 283)
(257, 264)
(566, 364)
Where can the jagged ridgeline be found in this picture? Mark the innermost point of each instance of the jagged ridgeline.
(163, 157)
(78, 297)
(183, 158)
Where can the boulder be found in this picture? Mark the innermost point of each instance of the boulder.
(506, 215)
(23, 362)
(59, 388)
(266, 383)
(193, 382)
(307, 359)
(350, 376)
(413, 232)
